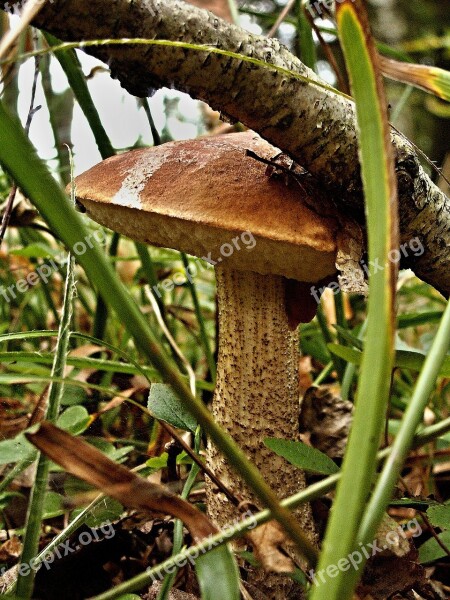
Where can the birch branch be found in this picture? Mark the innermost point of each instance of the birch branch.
(312, 124)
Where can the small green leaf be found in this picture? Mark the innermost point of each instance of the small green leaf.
(404, 359)
(302, 456)
(36, 250)
(218, 575)
(422, 505)
(298, 576)
(74, 419)
(53, 505)
(73, 395)
(16, 449)
(422, 318)
(158, 462)
(249, 557)
(165, 405)
(313, 344)
(349, 337)
(106, 512)
(439, 515)
(431, 551)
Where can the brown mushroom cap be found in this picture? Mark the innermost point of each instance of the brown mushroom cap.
(197, 195)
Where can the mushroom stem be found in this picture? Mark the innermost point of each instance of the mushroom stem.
(257, 390)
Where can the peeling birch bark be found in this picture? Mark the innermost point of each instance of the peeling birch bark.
(314, 126)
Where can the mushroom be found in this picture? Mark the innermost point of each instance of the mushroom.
(207, 198)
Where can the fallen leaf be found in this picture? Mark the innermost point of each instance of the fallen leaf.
(266, 541)
(327, 418)
(11, 549)
(118, 400)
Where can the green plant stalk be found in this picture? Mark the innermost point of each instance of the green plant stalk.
(340, 311)
(50, 99)
(39, 491)
(77, 81)
(178, 527)
(16, 471)
(404, 438)
(46, 292)
(101, 309)
(201, 321)
(71, 66)
(377, 172)
(234, 11)
(21, 161)
(342, 322)
(326, 371)
(149, 270)
(404, 359)
(339, 364)
(350, 369)
(155, 134)
(305, 42)
(313, 491)
(130, 367)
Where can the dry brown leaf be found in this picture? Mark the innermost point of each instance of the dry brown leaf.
(305, 370)
(86, 462)
(82, 352)
(386, 576)
(266, 541)
(15, 414)
(393, 544)
(174, 594)
(327, 419)
(118, 400)
(329, 307)
(11, 549)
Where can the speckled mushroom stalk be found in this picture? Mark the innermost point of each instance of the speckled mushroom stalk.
(257, 390)
(197, 196)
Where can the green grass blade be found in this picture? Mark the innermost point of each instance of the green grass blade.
(377, 168)
(411, 420)
(77, 81)
(39, 491)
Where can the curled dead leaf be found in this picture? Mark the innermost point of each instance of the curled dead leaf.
(266, 541)
(327, 419)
